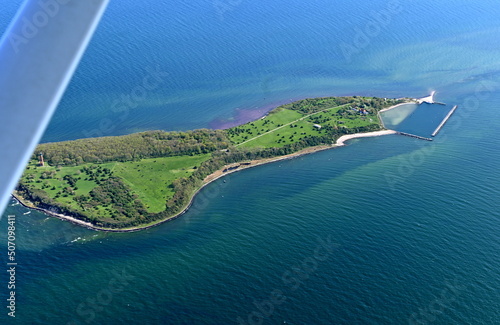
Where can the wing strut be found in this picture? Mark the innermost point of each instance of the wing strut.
(39, 53)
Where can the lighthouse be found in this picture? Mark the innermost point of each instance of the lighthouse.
(41, 160)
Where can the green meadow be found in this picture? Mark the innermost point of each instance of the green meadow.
(285, 126)
(149, 179)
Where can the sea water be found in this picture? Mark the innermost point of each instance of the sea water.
(416, 119)
(387, 230)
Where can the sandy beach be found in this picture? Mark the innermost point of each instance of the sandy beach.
(429, 99)
(344, 138)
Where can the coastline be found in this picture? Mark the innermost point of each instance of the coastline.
(429, 99)
(392, 107)
(208, 180)
(235, 167)
(341, 141)
(73, 220)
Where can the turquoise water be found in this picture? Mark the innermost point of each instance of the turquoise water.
(412, 225)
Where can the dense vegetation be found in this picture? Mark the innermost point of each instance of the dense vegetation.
(150, 144)
(139, 179)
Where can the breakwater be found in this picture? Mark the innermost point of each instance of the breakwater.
(415, 136)
(443, 122)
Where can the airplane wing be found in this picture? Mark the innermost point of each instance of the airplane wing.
(39, 53)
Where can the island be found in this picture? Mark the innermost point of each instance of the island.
(136, 181)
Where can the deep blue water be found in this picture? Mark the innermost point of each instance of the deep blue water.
(413, 225)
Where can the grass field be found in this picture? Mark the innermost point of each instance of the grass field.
(285, 126)
(51, 179)
(148, 178)
(271, 122)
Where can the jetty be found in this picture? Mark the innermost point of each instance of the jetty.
(429, 99)
(414, 136)
(443, 122)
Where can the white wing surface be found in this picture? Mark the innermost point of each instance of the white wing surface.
(39, 53)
